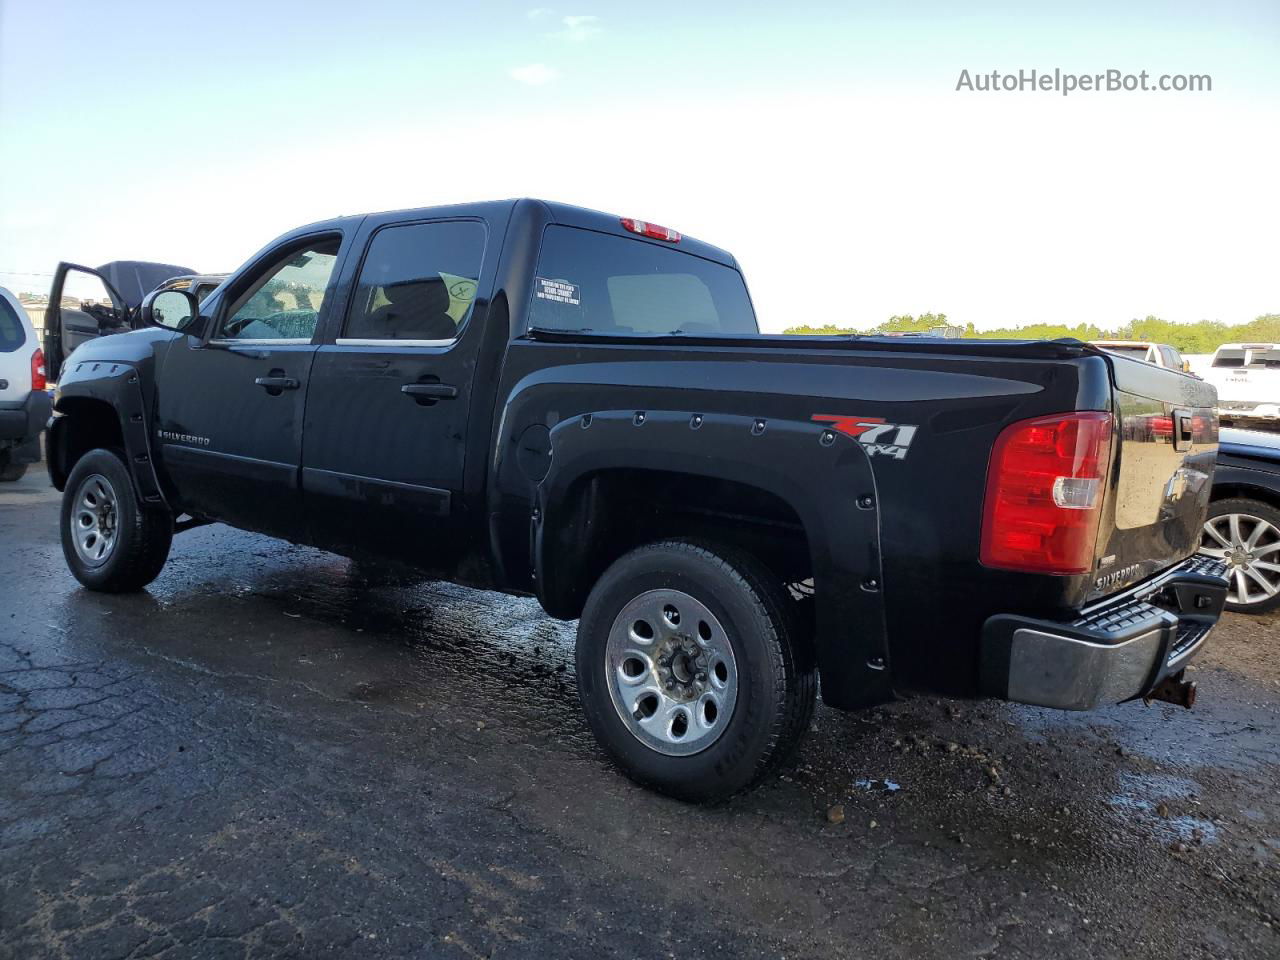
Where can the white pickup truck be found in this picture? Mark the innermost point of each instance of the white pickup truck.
(1247, 376)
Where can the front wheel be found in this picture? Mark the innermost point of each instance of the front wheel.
(110, 543)
(10, 471)
(1246, 533)
(693, 672)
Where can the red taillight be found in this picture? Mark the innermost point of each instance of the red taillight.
(38, 381)
(650, 230)
(1044, 493)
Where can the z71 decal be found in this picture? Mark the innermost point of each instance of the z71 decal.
(876, 436)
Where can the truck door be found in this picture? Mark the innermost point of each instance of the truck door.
(230, 395)
(85, 303)
(390, 394)
(82, 306)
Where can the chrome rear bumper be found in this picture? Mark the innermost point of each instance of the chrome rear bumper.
(1116, 651)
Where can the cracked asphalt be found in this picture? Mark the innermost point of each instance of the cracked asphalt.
(277, 753)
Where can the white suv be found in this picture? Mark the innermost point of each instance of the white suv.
(24, 404)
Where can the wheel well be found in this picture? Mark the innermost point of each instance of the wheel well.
(86, 425)
(609, 512)
(1225, 491)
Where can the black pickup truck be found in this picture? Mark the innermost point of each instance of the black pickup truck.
(539, 399)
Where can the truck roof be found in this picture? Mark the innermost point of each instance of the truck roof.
(1125, 343)
(560, 213)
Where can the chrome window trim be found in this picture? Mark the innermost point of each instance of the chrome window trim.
(371, 342)
(266, 341)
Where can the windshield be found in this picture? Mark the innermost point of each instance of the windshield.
(600, 283)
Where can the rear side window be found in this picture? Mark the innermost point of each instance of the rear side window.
(598, 283)
(418, 282)
(12, 332)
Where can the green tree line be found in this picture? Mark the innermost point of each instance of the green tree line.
(1202, 337)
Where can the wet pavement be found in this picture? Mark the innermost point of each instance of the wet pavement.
(277, 753)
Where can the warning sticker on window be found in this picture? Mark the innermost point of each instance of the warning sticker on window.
(560, 291)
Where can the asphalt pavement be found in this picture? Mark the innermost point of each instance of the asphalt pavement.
(275, 752)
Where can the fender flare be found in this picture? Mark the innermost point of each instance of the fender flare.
(1263, 481)
(826, 479)
(118, 386)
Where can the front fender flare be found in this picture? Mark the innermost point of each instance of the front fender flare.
(118, 386)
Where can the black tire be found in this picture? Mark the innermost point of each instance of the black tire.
(1255, 510)
(142, 536)
(10, 471)
(776, 676)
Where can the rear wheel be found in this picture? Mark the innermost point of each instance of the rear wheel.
(693, 672)
(1246, 533)
(110, 543)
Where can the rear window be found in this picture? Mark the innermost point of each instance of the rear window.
(1266, 359)
(1138, 353)
(12, 333)
(598, 283)
(1228, 358)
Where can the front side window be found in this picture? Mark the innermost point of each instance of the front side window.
(418, 282)
(284, 302)
(600, 283)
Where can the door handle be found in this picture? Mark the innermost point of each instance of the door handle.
(428, 393)
(277, 385)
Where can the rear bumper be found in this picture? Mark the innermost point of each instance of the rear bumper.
(1247, 410)
(21, 424)
(1117, 650)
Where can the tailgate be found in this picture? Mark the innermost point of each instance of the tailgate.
(1161, 478)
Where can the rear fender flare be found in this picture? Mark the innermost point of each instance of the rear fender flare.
(826, 479)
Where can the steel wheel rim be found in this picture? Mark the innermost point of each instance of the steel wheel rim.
(1251, 547)
(94, 520)
(671, 672)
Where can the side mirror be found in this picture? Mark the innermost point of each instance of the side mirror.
(171, 309)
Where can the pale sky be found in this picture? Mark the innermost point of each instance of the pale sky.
(824, 144)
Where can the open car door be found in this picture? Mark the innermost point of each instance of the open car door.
(85, 303)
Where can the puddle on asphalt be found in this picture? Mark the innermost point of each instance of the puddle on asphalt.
(879, 786)
(1146, 801)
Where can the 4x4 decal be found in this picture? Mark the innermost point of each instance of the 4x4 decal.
(875, 435)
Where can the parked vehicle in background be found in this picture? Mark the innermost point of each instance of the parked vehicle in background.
(1243, 527)
(1247, 376)
(200, 284)
(1160, 354)
(540, 399)
(24, 404)
(86, 303)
